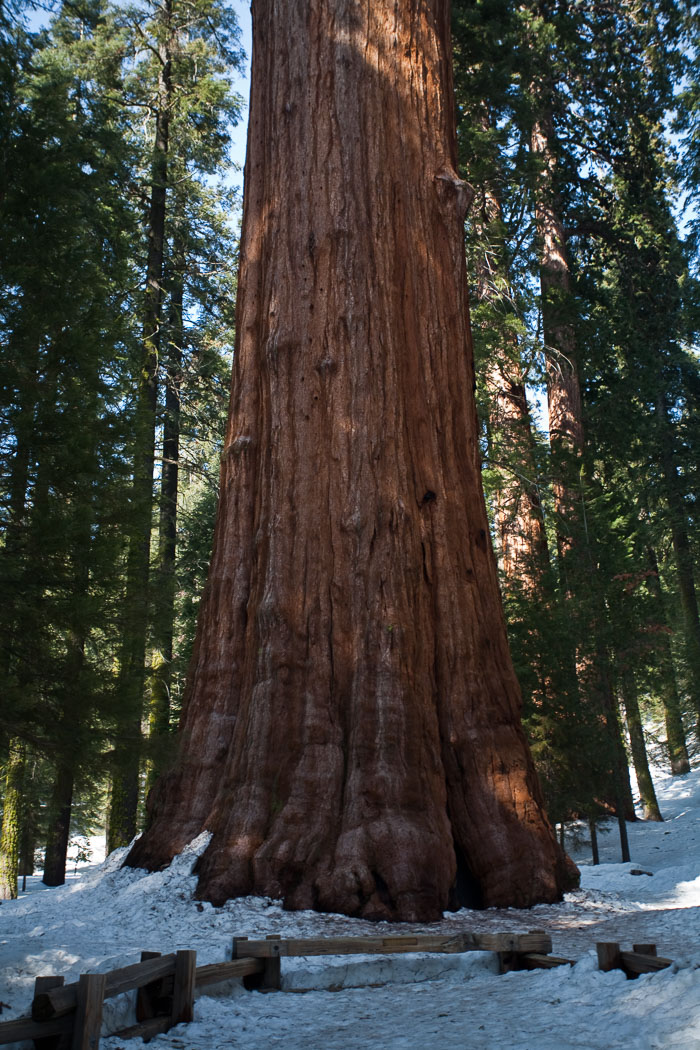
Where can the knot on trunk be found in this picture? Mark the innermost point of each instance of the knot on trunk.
(459, 190)
(239, 445)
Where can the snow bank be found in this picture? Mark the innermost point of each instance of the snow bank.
(106, 915)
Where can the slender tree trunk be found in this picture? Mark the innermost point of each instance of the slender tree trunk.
(678, 520)
(159, 718)
(59, 828)
(27, 846)
(124, 791)
(351, 736)
(10, 830)
(621, 789)
(593, 829)
(647, 792)
(675, 733)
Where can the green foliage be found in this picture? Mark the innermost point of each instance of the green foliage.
(79, 104)
(606, 78)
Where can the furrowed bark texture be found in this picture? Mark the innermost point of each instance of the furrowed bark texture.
(352, 735)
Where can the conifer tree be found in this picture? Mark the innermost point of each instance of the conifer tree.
(63, 332)
(183, 54)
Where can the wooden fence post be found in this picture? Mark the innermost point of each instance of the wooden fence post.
(148, 996)
(88, 1011)
(49, 1042)
(183, 987)
(238, 950)
(609, 957)
(272, 974)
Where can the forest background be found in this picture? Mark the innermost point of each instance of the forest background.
(579, 133)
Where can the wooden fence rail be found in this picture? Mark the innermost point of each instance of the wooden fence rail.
(535, 941)
(642, 959)
(69, 1016)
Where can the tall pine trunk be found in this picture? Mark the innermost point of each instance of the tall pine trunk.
(630, 700)
(124, 789)
(675, 732)
(58, 833)
(519, 519)
(11, 820)
(576, 564)
(678, 520)
(351, 736)
(533, 604)
(164, 611)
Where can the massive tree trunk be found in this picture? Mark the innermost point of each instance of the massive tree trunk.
(351, 736)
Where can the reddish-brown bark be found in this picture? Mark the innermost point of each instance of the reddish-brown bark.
(352, 734)
(522, 538)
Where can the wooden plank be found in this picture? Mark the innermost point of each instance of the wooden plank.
(146, 1029)
(634, 963)
(46, 984)
(23, 1028)
(534, 961)
(535, 941)
(644, 949)
(214, 973)
(61, 1001)
(88, 1011)
(138, 974)
(183, 990)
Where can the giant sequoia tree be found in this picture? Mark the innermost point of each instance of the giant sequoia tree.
(351, 736)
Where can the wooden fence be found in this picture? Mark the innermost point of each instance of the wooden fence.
(69, 1016)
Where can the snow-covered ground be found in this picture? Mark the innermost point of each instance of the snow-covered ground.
(105, 915)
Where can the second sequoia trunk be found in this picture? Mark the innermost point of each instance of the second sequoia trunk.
(352, 736)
